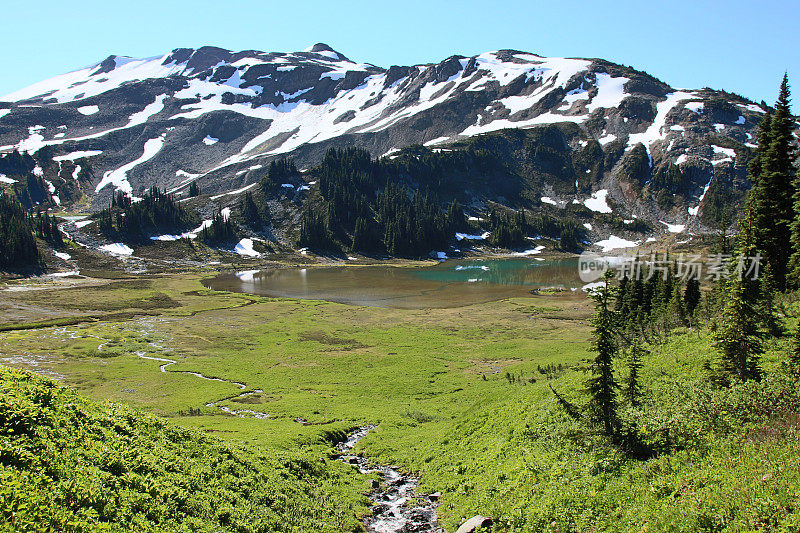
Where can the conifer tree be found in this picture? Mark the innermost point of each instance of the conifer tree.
(762, 142)
(360, 236)
(774, 189)
(17, 242)
(793, 269)
(675, 311)
(691, 296)
(739, 337)
(794, 354)
(602, 387)
(633, 389)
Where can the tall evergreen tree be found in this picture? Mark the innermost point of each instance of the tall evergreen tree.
(602, 387)
(793, 269)
(774, 189)
(739, 337)
(762, 142)
(691, 296)
(17, 242)
(633, 389)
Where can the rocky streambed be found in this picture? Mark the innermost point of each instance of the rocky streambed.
(396, 507)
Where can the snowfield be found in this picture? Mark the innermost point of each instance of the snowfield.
(119, 177)
(598, 202)
(117, 248)
(245, 248)
(88, 109)
(613, 242)
(481, 237)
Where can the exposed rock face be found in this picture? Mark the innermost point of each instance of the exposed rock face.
(218, 116)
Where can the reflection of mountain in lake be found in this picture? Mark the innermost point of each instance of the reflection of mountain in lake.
(448, 284)
(561, 272)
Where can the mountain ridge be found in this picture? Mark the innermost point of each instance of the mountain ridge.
(217, 118)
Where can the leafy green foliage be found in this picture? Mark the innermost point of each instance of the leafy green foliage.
(70, 464)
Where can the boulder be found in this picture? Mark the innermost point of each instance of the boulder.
(474, 523)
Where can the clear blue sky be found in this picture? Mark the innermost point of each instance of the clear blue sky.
(737, 45)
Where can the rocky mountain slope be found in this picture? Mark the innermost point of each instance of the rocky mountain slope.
(218, 117)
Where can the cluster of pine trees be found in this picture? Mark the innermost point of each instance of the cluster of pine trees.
(46, 227)
(390, 206)
(509, 229)
(253, 208)
(654, 300)
(157, 212)
(17, 163)
(221, 231)
(365, 205)
(17, 241)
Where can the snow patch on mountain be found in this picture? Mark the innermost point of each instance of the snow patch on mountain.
(88, 110)
(598, 202)
(119, 177)
(610, 92)
(117, 248)
(72, 156)
(84, 83)
(613, 242)
(654, 132)
(245, 247)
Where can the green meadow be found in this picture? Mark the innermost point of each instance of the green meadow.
(461, 396)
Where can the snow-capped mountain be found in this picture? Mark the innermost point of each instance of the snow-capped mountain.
(217, 117)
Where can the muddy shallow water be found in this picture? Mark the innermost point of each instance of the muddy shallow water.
(452, 283)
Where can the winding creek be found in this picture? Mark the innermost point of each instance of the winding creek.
(389, 496)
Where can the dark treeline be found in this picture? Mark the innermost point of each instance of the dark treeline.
(374, 201)
(396, 207)
(32, 191)
(653, 300)
(17, 241)
(156, 212)
(17, 164)
(46, 227)
(509, 229)
(17, 235)
(221, 231)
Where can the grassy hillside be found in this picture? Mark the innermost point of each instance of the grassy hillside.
(727, 459)
(68, 463)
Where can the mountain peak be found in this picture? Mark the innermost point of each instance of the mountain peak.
(325, 50)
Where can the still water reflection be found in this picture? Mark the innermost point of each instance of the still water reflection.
(451, 283)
